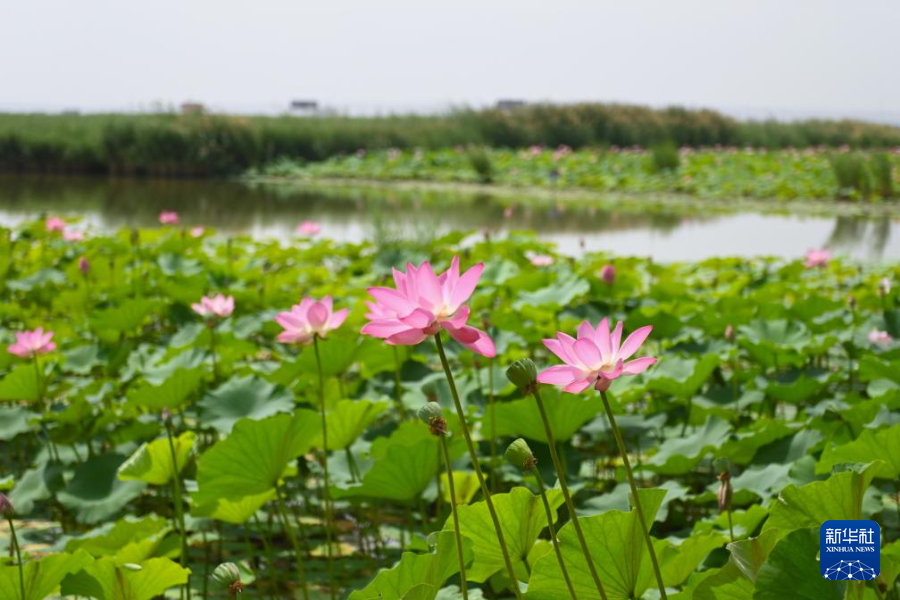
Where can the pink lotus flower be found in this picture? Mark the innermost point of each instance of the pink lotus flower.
(595, 358)
(168, 217)
(32, 343)
(220, 306)
(882, 338)
(817, 258)
(197, 232)
(541, 260)
(55, 224)
(423, 304)
(73, 236)
(608, 274)
(308, 319)
(309, 228)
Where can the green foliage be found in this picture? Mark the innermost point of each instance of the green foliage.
(852, 175)
(665, 157)
(481, 164)
(804, 407)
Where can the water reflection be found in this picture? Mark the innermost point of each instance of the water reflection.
(353, 215)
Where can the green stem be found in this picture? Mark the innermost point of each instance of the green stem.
(15, 543)
(514, 582)
(292, 538)
(459, 547)
(39, 379)
(212, 351)
(623, 452)
(549, 512)
(326, 493)
(570, 506)
(493, 432)
(730, 526)
(179, 510)
(398, 386)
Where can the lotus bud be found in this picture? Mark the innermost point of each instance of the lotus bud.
(851, 301)
(432, 415)
(523, 374)
(608, 274)
(729, 332)
(520, 455)
(725, 492)
(884, 286)
(166, 416)
(227, 576)
(6, 507)
(83, 265)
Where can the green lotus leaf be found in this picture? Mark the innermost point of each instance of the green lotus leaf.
(173, 393)
(243, 397)
(42, 576)
(105, 579)
(15, 420)
(522, 519)
(348, 419)
(255, 455)
(19, 384)
(417, 576)
(883, 444)
(128, 540)
(736, 579)
(236, 511)
(566, 413)
(682, 377)
(152, 462)
(838, 497)
(616, 543)
(791, 570)
(94, 493)
(679, 455)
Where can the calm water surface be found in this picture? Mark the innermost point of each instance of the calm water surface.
(271, 210)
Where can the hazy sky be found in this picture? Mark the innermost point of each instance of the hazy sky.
(828, 57)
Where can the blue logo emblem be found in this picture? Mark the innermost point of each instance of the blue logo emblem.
(849, 550)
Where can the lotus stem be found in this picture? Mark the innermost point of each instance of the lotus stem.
(493, 434)
(326, 493)
(567, 496)
(212, 351)
(15, 544)
(459, 547)
(292, 538)
(179, 510)
(514, 582)
(398, 385)
(623, 452)
(550, 526)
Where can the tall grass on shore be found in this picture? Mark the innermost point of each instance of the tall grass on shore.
(168, 144)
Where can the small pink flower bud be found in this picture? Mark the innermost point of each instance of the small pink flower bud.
(6, 507)
(83, 265)
(608, 274)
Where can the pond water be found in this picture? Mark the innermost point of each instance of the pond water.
(275, 210)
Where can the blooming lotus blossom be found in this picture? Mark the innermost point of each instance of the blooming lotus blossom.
(309, 319)
(197, 232)
(73, 236)
(309, 228)
(31, 343)
(817, 258)
(541, 260)
(220, 306)
(882, 338)
(424, 303)
(595, 358)
(608, 274)
(55, 224)
(168, 217)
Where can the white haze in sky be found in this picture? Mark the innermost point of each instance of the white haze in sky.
(786, 58)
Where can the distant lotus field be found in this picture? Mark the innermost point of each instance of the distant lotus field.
(185, 414)
(721, 173)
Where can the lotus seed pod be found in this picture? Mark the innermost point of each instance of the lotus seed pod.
(6, 507)
(522, 373)
(227, 576)
(432, 415)
(520, 455)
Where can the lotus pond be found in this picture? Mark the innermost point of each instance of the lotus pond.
(220, 416)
